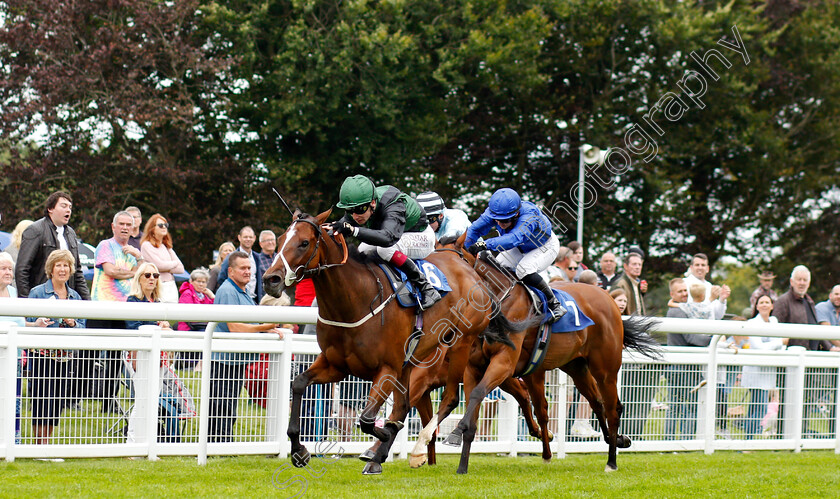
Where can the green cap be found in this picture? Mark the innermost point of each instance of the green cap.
(356, 190)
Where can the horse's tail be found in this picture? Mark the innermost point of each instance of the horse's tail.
(636, 335)
(500, 327)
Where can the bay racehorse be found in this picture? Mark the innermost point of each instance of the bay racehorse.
(362, 331)
(591, 356)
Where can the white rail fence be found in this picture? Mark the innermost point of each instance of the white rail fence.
(692, 399)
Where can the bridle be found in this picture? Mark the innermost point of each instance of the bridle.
(296, 275)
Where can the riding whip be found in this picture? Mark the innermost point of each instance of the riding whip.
(284, 203)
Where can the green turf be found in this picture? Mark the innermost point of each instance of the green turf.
(723, 474)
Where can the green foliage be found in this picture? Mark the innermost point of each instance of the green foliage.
(462, 98)
(118, 103)
(742, 280)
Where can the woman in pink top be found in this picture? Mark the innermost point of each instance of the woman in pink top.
(156, 247)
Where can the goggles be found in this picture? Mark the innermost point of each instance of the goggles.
(359, 210)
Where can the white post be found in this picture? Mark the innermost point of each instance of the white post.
(285, 394)
(402, 440)
(796, 394)
(711, 397)
(204, 397)
(562, 410)
(508, 417)
(152, 393)
(837, 414)
(8, 375)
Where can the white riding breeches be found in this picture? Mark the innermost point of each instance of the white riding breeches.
(533, 261)
(412, 244)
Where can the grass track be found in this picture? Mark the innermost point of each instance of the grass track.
(723, 474)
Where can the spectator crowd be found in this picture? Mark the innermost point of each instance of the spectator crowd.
(139, 263)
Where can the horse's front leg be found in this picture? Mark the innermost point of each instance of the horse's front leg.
(319, 372)
(384, 384)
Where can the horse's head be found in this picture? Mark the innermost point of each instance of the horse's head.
(299, 249)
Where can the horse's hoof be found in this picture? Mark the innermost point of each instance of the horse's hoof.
(416, 460)
(366, 455)
(623, 442)
(461, 471)
(550, 436)
(300, 458)
(453, 439)
(372, 468)
(547, 461)
(610, 468)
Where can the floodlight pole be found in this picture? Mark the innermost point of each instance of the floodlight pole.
(581, 180)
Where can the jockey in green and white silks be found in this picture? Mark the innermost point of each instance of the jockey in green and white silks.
(526, 241)
(390, 223)
(446, 222)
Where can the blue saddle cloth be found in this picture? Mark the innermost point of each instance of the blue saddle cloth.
(406, 294)
(574, 320)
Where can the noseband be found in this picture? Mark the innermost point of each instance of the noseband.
(307, 272)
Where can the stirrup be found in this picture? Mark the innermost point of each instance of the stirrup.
(555, 318)
(413, 341)
(422, 298)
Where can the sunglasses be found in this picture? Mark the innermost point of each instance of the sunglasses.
(149, 275)
(433, 219)
(507, 220)
(163, 225)
(358, 210)
(572, 268)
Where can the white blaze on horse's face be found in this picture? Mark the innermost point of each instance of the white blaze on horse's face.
(291, 276)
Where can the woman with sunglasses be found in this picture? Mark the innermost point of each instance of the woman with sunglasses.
(156, 247)
(146, 288)
(525, 241)
(390, 223)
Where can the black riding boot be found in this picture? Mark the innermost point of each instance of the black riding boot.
(428, 294)
(554, 307)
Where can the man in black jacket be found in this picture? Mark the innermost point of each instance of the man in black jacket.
(42, 238)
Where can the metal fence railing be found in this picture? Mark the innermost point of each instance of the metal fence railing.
(100, 393)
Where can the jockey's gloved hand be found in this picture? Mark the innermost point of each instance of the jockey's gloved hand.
(477, 247)
(343, 228)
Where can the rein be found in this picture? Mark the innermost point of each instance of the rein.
(495, 264)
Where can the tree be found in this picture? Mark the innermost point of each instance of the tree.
(731, 177)
(379, 88)
(119, 102)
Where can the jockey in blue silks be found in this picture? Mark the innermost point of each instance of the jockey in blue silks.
(525, 241)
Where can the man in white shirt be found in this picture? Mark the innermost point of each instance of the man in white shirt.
(697, 275)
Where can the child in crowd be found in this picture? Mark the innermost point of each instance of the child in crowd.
(700, 309)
